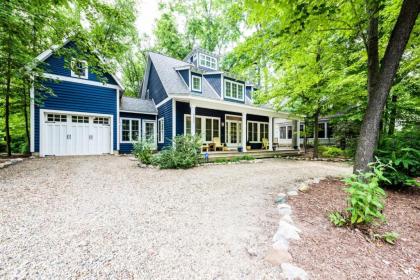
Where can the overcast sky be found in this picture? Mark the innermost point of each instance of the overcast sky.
(148, 13)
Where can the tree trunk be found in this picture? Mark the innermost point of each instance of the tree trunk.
(25, 114)
(7, 100)
(316, 128)
(305, 136)
(393, 113)
(379, 84)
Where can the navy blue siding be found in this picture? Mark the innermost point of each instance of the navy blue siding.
(185, 74)
(154, 85)
(215, 80)
(233, 100)
(79, 98)
(248, 91)
(183, 108)
(57, 65)
(197, 75)
(165, 111)
(126, 148)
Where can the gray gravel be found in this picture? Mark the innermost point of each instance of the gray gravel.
(104, 217)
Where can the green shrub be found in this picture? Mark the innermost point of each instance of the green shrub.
(331, 151)
(337, 219)
(184, 153)
(402, 152)
(366, 199)
(143, 151)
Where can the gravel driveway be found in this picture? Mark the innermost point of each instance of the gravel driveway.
(104, 217)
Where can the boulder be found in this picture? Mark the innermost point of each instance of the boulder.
(281, 198)
(292, 272)
(292, 193)
(284, 209)
(288, 230)
(277, 257)
(280, 243)
(303, 188)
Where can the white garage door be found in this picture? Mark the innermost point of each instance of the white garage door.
(72, 134)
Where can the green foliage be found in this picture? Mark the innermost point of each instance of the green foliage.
(331, 152)
(184, 153)
(143, 151)
(366, 199)
(337, 219)
(390, 237)
(402, 152)
(235, 159)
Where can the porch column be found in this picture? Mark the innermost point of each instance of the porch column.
(244, 132)
(270, 133)
(192, 119)
(298, 135)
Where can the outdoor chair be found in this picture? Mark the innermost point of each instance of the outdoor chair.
(205, 147)
(265, 143)
(217, 144)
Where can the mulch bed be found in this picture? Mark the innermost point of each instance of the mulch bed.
(328, 252)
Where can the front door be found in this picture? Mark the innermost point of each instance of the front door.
(233, 133)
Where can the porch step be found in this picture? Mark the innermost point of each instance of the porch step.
(255, 154)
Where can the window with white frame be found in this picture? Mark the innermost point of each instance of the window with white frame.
(257, 131)
(286, 132)
(56, 118)
(101, 120)
(79, 119)
(208, 61)
(130, 130)
(79, 69)
(234, 90)
(196, 83)
(207, 127)
(161, 130)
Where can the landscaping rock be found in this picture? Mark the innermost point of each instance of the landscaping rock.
(16, 160)
(132, 158)
(292, 193)
(292, 272)
(287, 219)
(280, 243)
(303, 188)
(281, 198)
(284, 209)
(288, 230)
(277, 257)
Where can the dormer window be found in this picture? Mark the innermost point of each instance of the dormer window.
(234, 90)
(196, 83)
(208, 61)
(79, 69)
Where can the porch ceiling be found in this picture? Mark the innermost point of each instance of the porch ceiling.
(234, 107)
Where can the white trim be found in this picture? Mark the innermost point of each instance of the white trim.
(231, 88)
(130, 130)
(138, 112)
(182, 79)
(258, 129)
(163, 101)
(270, 133)
(179, 68)
(86, 68)
(173, 118)
(143, 135)
(161, 130)
(222, 87)
(42, 113)
(76, 80)
(203, 126)
(32, 111)
(205, 56)
(118, 119)
(200, 78)
(244, 132)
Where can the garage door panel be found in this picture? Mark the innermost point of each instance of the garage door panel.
(76, 135)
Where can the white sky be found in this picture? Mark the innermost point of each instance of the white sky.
(147, 14)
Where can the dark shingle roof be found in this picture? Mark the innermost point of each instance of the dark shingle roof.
(137, 105)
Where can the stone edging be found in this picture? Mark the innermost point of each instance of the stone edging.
(10, 162)
(279, 254)
(319, 159)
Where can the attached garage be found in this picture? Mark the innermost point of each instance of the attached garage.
(73, 133)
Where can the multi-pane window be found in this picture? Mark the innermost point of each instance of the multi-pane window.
(286, 132)
(56, 118)
(149, 131)
(161, 130)
(207, 127)
(80, 119)
(196, 83)
(234, 90)
(130, 130)
(253, 131)
(101, 120)
(79, 69)
(208, 61)
(289, 132)
(216, 128)
(263, 131)
(321, 130)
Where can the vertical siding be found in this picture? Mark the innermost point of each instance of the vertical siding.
(57, 65)
(185, 74)
(165, 111)
(215, 80)
(78, 98)
(126, 148)
(154, 85)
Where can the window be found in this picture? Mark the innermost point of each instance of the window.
(130, 130)
(79, 119)
(207, 127)
(79, 69)
(286, 132)
(321, 130)
(196, 83)
(100, 120)
(149, 131)
(302, 131)
(263, 131)
(56, 118)
(256, 131)
(329, 131)
(161, 132)
(208, 61)
(234, 90)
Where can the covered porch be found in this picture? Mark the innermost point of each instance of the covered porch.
(227, 127)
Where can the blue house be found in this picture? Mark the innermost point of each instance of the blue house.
(89, 114)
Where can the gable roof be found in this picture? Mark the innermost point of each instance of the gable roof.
(47, 53)
(137, 105)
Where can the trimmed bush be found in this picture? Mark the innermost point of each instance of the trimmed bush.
(331, 152)
(143, 151)
(184, 153)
